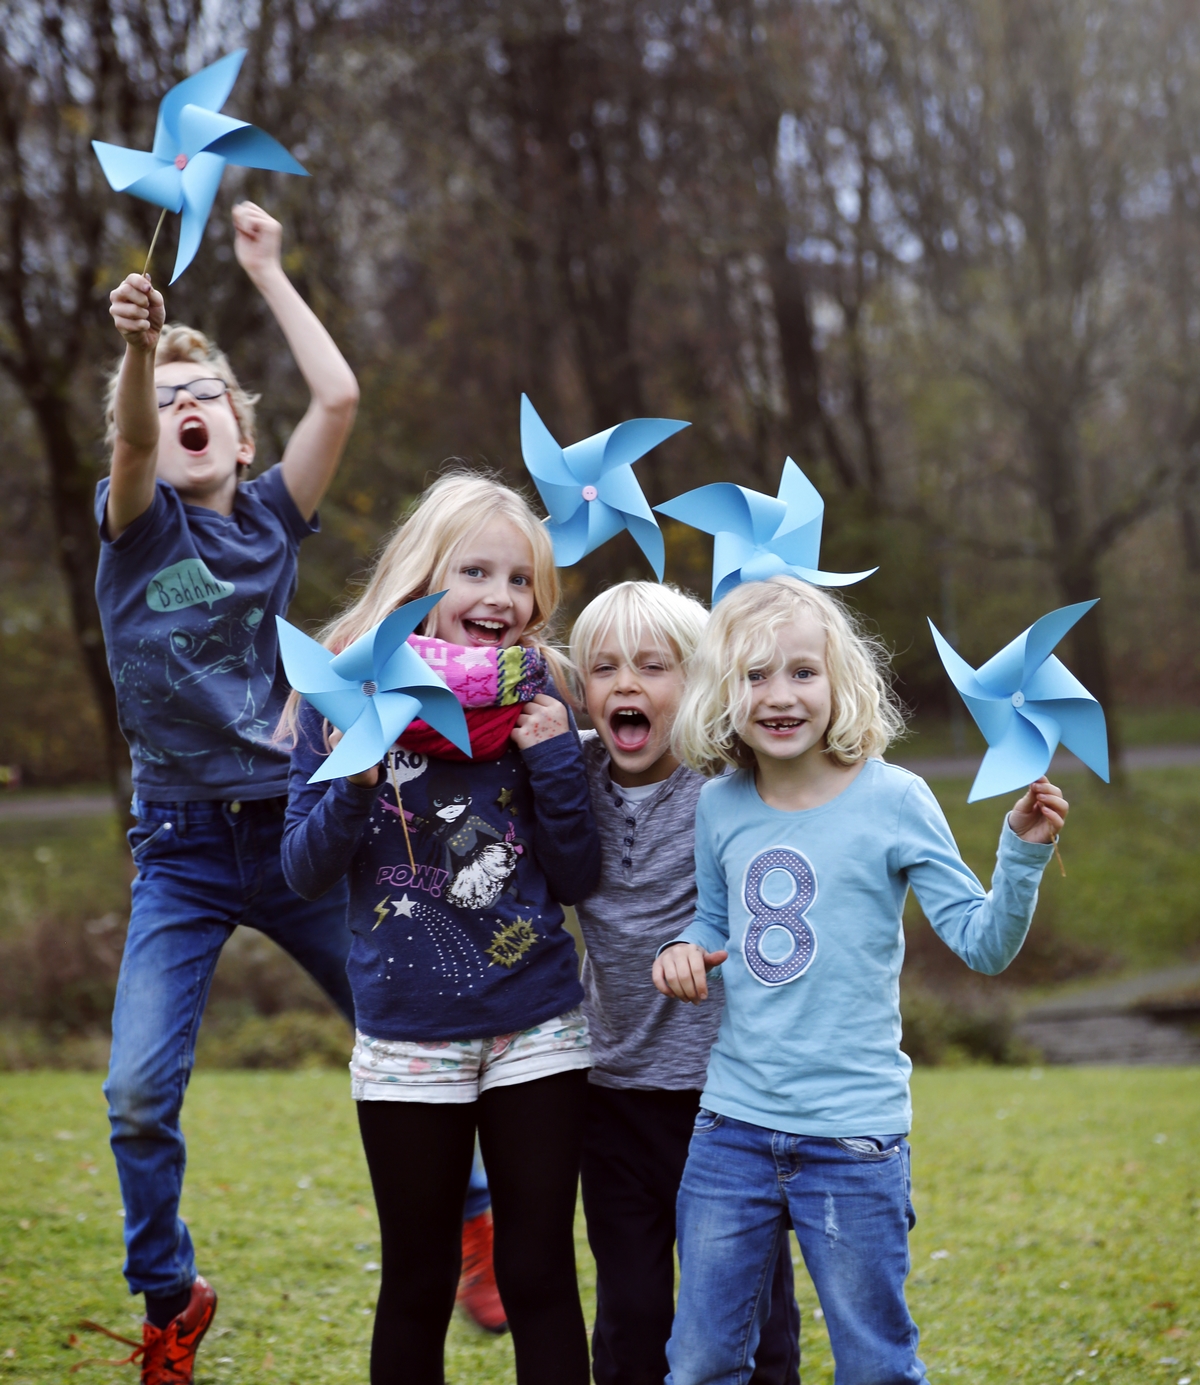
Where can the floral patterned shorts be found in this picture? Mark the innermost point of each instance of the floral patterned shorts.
(460, 1070)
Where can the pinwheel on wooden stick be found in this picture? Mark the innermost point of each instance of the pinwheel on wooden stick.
(589, 487)
(1026, 701)
(372, 690)
(192, 145)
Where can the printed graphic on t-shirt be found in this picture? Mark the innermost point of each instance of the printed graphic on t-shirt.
(478, 856)
(474, 863)
(163, 673)
(188, 583)
(780, 885)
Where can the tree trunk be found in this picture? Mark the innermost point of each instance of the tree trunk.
(802, 368)
(71, 491)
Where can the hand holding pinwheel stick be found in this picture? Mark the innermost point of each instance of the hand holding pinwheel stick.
(1039, 814)
(138, 312)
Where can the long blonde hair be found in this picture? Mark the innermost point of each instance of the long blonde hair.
(417, 559)
(741, 635)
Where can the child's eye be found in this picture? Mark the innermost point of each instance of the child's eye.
(755, 675)
(521, 581)
(472, 572)
(805, 673)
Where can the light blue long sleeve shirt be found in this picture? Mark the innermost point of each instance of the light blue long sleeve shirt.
(809, 905)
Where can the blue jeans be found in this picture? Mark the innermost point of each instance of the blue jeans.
(479, 1197)
(850, 1204)
(202, 869)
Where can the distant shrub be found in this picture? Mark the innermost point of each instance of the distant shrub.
(958, 1027)
(292, 1039)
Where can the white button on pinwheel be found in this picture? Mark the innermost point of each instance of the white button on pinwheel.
(372, 689)
(756, 536)
(589, 488)
(192, 145)
(1025, 701)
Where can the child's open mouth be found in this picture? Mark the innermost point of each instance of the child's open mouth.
(485, 632)
(630, 728)
(193, 435)
(781, 726)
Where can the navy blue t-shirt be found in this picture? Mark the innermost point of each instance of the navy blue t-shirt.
(188, 599)
(471, 943)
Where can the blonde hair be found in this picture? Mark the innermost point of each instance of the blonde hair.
(417, 559)
(628, 613)
(179, 343)
(742, 635)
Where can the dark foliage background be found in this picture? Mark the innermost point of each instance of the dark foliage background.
(942, 253)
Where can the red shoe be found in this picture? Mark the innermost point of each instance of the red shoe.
(167, 1354)
(477, 1290)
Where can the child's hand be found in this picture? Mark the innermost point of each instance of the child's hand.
(368, 778)
(138, 311)
(681, 970)
(1039, 815)
(540, 720)
(257, 239)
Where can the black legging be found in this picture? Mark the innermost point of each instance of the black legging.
(419, 1156)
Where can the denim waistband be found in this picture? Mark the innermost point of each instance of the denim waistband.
(204, 809)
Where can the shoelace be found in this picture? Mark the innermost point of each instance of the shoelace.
(139, 1348)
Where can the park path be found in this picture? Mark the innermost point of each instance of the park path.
(1130, 1021)
(39, 807)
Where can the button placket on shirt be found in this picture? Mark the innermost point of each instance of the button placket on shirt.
(627, 840)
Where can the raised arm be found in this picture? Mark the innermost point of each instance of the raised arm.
(315, 448)
(137, 311)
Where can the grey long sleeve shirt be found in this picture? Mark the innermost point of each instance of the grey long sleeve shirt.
(646, 897)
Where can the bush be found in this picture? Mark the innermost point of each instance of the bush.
(958, 1027)
(292, 1039)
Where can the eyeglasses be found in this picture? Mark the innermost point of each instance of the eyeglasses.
(198, 389)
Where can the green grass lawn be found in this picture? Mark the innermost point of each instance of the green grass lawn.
(1058, 1235)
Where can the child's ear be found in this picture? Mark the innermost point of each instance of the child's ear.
(245, 454)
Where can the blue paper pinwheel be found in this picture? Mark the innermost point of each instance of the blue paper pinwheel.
(372, 689)
(589, 488)
(757, 536)
(1025, 702)
(192, 145)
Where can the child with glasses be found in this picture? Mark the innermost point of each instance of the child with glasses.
(195, 563)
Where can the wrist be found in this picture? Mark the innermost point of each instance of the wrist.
(269, 277)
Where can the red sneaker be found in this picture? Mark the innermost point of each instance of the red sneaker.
(477, 1290)
(167, 1354)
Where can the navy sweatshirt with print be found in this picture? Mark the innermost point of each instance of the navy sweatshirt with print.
(471, 944)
